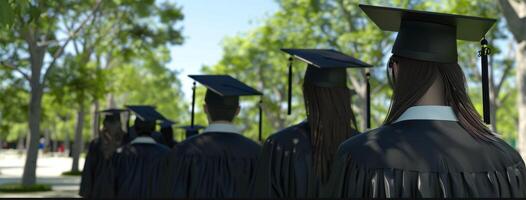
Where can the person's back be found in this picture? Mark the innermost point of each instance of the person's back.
(428, 158)
(135, 168)
(296, 160)
(433, 142)
(215, 165)
(95, 182)
(220, 162)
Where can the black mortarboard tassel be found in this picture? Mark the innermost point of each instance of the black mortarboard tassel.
(260, 128)
(193, 106)
(289, 111)
(368, 98)
(483, 53)
(431, 36)
(325, 67)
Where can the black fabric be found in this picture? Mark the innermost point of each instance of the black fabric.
(285, 168)
(211, 165)
(136, 169)
(425, 158)
(93, 182)
(427, 36)
(146, 113)
(326, 67)
(229, 102)
(225, 85)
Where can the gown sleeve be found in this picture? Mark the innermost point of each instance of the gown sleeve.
(353, 180)
(88, 172)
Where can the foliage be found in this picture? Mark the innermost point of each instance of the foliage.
(19, 188)
(254, 56)
(72, 173)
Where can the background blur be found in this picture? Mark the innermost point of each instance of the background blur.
(60, 61)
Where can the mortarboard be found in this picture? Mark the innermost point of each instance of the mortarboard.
(112, 114)
(431, 36)
(224, 90)
(326, 68)
(146, 113)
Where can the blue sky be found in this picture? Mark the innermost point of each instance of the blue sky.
(205, 24)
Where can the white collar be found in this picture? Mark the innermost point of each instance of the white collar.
(143, 140)
(222, 127)
(444, 113)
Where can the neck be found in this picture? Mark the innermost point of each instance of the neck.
(434, 95)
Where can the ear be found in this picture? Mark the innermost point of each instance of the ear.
(237, 110)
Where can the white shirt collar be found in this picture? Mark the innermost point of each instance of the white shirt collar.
(444, 113)
(143, 140)
(222, 127)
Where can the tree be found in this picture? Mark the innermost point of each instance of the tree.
(515, 14)
(341, 25)
(34, 33)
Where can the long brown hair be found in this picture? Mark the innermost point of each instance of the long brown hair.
(415, 77)
(331, 121)
(111, 137)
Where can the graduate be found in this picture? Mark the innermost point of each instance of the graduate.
(136, 164)
(219, 162)
(433, 142)
(167, 134)
(295, 161)
(98, 160)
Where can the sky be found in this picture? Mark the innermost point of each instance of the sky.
(206, 24)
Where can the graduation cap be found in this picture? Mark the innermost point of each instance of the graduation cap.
(431, 36)
(111, 114)
(191, 130)
(224, 91)
(146, 113)
(166, 123)
(326, 68)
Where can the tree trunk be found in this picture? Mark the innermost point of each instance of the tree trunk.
(493, 96)
(35, 110)
(20, 145)
(95, 120)
(520, 60)
(67, 144)
(515, 12)
(77, 145)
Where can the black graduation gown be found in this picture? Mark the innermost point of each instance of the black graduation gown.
(93, 182)
(285, 168)
(425, 158)
(135, 167)
(212, 165)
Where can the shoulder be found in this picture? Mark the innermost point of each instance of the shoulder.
(212, 143)
(290, 136)
(364, 142)
(505, 152)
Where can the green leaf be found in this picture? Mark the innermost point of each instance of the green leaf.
(7, 14)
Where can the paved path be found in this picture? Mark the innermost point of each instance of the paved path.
(49, 170)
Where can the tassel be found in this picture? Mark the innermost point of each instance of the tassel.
(193, 106)
(368, 98)
(483, 53)
(290, 87)
(260, 128)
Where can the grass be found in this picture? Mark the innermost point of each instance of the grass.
(19, 188)
(72, 173)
